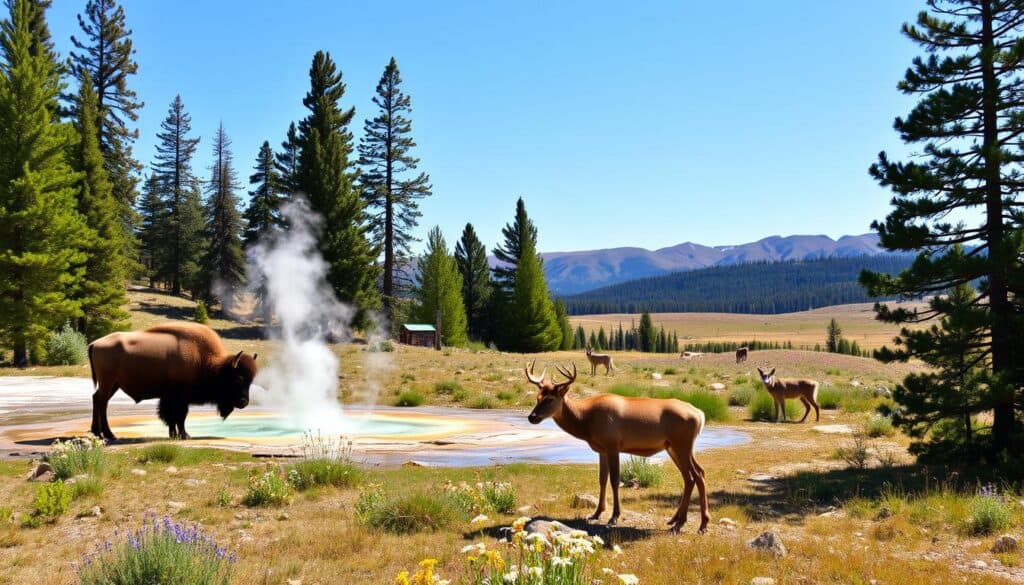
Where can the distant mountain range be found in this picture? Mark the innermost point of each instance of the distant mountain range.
(575, 272)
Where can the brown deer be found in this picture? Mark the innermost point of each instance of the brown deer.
(600, 359)
(805, 390)
(613, 424)
(741, 354)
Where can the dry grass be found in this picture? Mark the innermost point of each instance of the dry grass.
(317, 538)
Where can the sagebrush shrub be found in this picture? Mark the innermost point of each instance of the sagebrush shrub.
(66, 347)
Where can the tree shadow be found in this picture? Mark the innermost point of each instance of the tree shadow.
(611, 535)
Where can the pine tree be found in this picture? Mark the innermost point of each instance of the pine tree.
(105, 52)
(393, 201)
(835, 335)
(966, 126)
(517, 234)
(152, 233)
(471, 257)
(532, 325)
(563, 324)
(179, 190)
(40, 228)
(286, 161)
(646, 335)
(592, 343)
(102, 291)
(439, 288)
(263, 213)
(581, 338)
(326, 176)
(602, 339)
(223, 264)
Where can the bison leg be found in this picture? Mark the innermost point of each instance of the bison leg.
(100, 425)
(181, 425)
(172, 412)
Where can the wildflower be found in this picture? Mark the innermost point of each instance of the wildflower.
(607, 571)
(511, 577)
(617, 549)
(403, 578)
(628, 579)
(560, 561)
(535, 572)
(495, 560)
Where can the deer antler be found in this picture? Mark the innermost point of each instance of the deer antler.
(565, 372)
(529, 373)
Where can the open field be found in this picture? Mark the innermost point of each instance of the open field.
(805, 328)
(889, 522)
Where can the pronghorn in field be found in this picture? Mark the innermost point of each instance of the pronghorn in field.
(805, 390)
(599, 359)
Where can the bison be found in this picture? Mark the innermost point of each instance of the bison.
(178, 363)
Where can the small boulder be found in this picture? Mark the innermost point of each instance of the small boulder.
(524, 510)
(717, 386)
(545, 528)
(175, 506)
(172, 470)
(727, 523)
(194, 482)
(855, 383)
(41, 472)
(883, 513)
(1006, 544)
(762, 581)
(883, 392)
(979, 564)
(584, 501)
(655, 376)
(138, 472)
(769, 542)
(96, 511)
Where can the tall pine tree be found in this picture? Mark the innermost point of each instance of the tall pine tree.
(516, 234)
(105, 51)
(471, 257)
(152, 232)
(102, 292)
(439, 289)
(532, 325)
(40, 228)
(326, 175)
(966, 125)
(391, 187)
(286, 161)
(263, 213)
(223, 265)
(180, 193)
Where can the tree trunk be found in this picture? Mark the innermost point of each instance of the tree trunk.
(20, 353)
(999, 306)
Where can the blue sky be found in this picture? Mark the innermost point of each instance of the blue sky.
(621, 124)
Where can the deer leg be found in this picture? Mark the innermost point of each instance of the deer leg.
(604, 480)
(679, 519)
(613, 468)
(705, 516)
(817, 411)
(807, 408)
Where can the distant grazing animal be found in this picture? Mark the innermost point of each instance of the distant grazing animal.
(599, 359)
(613, 424)
(805, 390)
(178, 363)
(690, 354)
(741, 354)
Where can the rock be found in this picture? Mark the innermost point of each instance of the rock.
(727, 523)
(459, 372)
(584, 501)
(96, 511)
(194, 482)
(655, 376)
(833, 429)
(294, 581)
(717, 386)
(545, 527)
(979, 564)
(883, 392)
(139, 472)
(883, 513)
(761, 478)
(414, 463)
(41, 472)
(762, 581)
(171, 470)
(769, 542)
(175, 506)
(741, 472)
(284, 516)
(855, 383)
(1005, 544)
(524, 510)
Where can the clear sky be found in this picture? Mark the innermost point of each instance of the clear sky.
(620, 123)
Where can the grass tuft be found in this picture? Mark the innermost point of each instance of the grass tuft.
(409, 513)
(159, 453)
(762, 407)
(879, 426)
(641, 469)
(410, 398)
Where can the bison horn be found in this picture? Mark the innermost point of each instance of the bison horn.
(237, 357)
(254, 356)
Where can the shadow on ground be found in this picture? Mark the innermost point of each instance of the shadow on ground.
(611, 535)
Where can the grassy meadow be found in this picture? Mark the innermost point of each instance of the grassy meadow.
(848, 504)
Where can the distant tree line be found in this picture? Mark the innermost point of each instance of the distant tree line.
(757, 287)
(643, 337)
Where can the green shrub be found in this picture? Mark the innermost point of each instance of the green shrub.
(483, 402)
(6, 514)
(66, 347)
(506, 395)
(201, 314)
(879, 426)
(741, 396)
(671, 371)
(629, 390)
(762, 407)
(90, 486)
(410, 398)
(162, 551)
(159, 453)
(77, 456)
(987, 514)
(711, 404)
(460, 395)
(641, 469)
(832, 371)
(268, 488)
(324, 472)
(410, 512)
(858, 400)
(52, 501)
(829, 398)
(500, 496)
(447, 387)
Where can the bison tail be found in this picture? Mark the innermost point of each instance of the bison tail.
(92, 368)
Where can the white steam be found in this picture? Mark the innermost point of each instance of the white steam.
(301, 381)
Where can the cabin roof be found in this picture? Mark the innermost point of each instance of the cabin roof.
(419, 327)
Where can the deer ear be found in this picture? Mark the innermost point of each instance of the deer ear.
(772, 373)
(234, 364)
(760, 371)
(563, 388)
